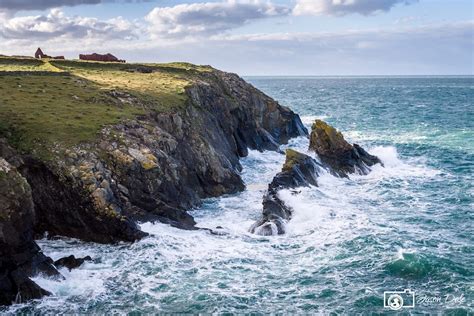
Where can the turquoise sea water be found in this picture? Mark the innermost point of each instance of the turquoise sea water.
(406, 226)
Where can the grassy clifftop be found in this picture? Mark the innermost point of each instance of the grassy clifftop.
(61, 103)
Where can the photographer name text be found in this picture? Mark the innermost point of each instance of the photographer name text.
(448, 299)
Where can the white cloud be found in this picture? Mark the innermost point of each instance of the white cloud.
(429, 50)
(343, 7)
(201, 19)
(56, 25)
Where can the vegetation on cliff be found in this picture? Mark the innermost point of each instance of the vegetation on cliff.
(54, 103)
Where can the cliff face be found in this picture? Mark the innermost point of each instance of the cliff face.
(158, 165)
(20, 256)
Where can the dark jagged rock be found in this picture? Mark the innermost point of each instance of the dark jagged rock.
(20, 256)
(65, 209)
(25, 289)
(337, 154)
(71, 262)
(299, 170)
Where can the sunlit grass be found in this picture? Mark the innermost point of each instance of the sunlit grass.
(66, 102)
(25, 64)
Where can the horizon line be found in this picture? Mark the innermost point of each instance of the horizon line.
(368, 75)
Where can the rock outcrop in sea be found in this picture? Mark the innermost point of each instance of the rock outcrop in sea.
(71, 262)
(154, 167)
(300, 170)
(336, 153)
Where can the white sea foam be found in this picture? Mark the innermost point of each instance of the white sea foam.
(324, 211)
(401, 252)
(308, 120)
(395, 167)
(83, 281)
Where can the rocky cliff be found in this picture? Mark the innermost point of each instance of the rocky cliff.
(153, 166)
(158, 165)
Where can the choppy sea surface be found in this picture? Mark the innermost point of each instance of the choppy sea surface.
(408, 225)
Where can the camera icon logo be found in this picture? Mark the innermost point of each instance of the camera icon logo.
(396, 300)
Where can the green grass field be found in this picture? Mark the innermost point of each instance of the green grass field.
(62, 103)
(25, 64)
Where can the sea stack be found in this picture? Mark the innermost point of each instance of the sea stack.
(337, 154)
(299, 170)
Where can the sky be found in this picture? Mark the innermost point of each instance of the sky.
(253, 37)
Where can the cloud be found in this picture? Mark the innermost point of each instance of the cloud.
(56, 25)
(343, 7)
(202, 19)
(18, 5)
(428, 50)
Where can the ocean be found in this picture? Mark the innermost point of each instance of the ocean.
(405, 226)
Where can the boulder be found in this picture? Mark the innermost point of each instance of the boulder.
(299, 170)
(340, 157)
